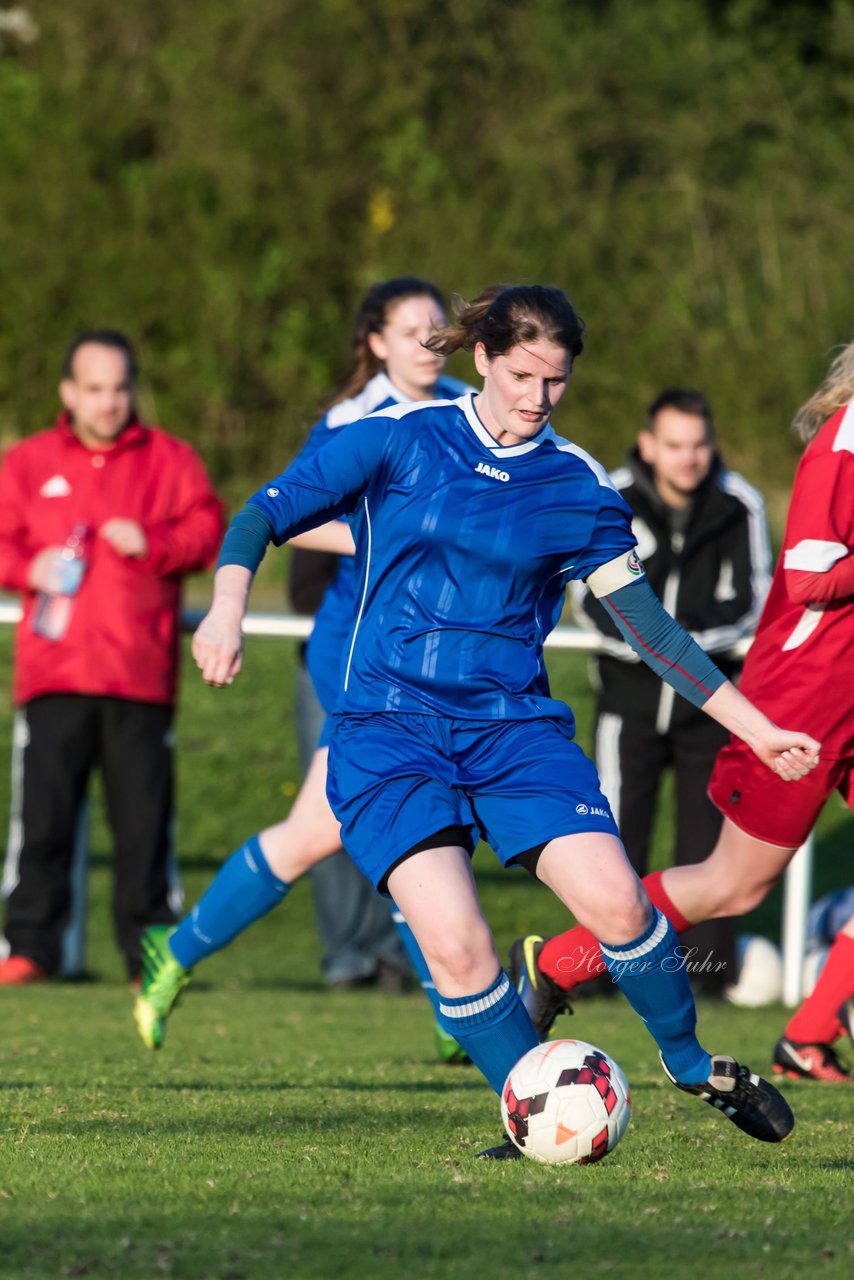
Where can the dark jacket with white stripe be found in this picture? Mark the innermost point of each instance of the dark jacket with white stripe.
(712, 576)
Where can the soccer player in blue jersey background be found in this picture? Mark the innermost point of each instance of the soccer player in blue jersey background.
(390, 365)
(469, 517)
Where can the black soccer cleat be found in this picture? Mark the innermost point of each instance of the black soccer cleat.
(506, 1150)
(751, 1103)
(540, 995)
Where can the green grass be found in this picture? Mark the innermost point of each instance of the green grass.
(288, 1131)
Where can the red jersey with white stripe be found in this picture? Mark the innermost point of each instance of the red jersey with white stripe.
(800, 668)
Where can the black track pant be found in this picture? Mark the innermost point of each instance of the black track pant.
(59, 739)
(632, 756)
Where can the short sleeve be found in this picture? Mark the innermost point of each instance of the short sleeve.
(611, 535)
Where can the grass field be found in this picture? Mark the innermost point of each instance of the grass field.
(288, 1131)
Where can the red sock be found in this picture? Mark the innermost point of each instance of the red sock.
(574, 957)
(658, 897)
(817, 1020)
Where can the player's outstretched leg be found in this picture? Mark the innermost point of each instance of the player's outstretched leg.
(650, 973)
(560, 964)
(539, 993)
(244, 889)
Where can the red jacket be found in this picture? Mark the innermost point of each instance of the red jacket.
(122, 639)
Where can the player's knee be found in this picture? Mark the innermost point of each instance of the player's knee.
(458, 957)
(627, 914)
(738, 899)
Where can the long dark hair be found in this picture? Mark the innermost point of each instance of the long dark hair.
(372, 318)
(503, 316)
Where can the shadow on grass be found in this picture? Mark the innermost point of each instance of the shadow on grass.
(338, 1237)
(292, 1126)
(323, 1086)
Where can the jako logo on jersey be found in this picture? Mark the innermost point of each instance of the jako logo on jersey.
(272, 493)
(633, 564)
(55, 487)
(494, 474)
(592, 809)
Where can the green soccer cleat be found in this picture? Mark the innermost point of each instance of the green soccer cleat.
(447, 1048)
(163, 980)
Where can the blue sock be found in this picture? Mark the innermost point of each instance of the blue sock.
(243, 890)
(493, 1027)
(650, 972)
(416, 959)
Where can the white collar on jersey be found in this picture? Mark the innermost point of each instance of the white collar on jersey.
(501, 450)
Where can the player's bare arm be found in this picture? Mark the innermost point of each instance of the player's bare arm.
(334, 536)
(790, 755)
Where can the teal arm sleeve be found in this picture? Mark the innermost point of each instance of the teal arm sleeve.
(246, 538)
(658, 639)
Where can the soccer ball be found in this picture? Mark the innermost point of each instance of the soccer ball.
(566, 1102)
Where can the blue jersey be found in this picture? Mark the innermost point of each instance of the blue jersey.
(463, 550)
(334, 620)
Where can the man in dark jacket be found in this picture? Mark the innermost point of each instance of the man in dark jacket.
(101, 518)
(702, 536)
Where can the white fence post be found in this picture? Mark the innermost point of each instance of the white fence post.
(797, 894)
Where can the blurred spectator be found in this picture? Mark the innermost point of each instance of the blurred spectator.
(101, 518)
(702, 537)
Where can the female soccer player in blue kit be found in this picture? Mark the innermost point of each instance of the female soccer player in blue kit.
(389, 366)
(469, 517)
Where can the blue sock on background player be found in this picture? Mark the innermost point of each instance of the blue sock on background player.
(416, 959)
(493, 1026)
(650, 972)
(243, 890)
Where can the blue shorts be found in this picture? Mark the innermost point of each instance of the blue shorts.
(395, 779)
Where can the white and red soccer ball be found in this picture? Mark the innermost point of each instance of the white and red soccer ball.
(566, 1102)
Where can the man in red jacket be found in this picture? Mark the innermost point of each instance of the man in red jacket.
(101, 518)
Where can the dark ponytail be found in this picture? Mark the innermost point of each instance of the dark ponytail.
(503, 316)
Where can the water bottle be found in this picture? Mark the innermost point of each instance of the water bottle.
(53, 608)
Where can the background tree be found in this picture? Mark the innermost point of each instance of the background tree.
(224, 181)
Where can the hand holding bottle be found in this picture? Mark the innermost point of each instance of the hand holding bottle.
(53, 572)
(56, 574)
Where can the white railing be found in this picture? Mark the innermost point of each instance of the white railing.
(798, 882)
